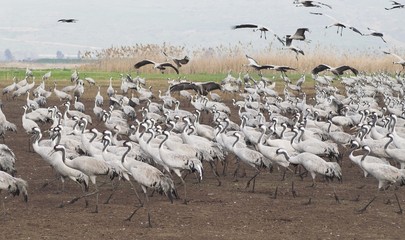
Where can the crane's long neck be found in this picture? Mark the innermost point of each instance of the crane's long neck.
(164, 140)
(129, 146)
(237, 139)
(259, 141)
(285, 154)
(364, 157)
(293, 138)
(388, 143)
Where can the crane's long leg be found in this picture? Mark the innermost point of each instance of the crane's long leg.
(215, 173)
(254, 180)
(363, 209)
(4, 207)
(97, 193)
(137, 195)
(185, 191)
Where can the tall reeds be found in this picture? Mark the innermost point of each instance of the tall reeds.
(223, 58)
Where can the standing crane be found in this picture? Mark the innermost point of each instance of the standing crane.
(314, 164)
(250, 157)
(148, 176)
(178, 162)
(90, 166)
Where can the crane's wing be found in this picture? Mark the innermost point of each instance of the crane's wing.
(286, 68)
(301, 31)
(279, 39)
(167, 64)
(184, 60)
(395, 3)
(143, 63)
(266, 67)
(252, 61)
(393, 54)
(300, 81)
(343, 68)
(210, 86)
(324, 14)
(319, 68)
(184, 86)
(248, 25)
(355, 30)
(324, 4)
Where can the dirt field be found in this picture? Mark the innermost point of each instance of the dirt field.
(213, 212)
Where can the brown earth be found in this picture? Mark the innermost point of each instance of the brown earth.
(229, 211)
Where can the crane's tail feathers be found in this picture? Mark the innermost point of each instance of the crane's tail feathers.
(83, 179)
(19, 187)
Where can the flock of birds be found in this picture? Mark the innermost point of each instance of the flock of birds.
(272, 130)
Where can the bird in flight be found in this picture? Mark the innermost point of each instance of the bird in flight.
(338, 24)
(202, 88)
(160, 66)
(67, 20)
(395, 5)
(298, 35)
(335, 70)
(254, 64)
(400, 61)
(263, 30)
(289, 46)
(178, 61)
(305, 3)
(375, 34)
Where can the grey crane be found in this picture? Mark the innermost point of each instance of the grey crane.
(161, 66)
(90, 166)
(308, 3)
(67, 20)
(400, 61)
(314, 164)
(15, 186)
(395, 5)
(148, 176)
(335, 70)
(7, 160)
(340, 25)
(178, 61)
(375, 33)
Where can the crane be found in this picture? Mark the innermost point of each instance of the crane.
(340, 25)
(148, 176)
(395, 5)
(335, 70)
(400, 61)
(308, 3)
(161, 66)
(90, 166)
(178, 61)
(15, 186)
(314, 164)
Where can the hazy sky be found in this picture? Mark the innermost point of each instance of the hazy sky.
(30, 27)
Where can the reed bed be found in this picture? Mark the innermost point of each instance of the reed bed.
(223, 58)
